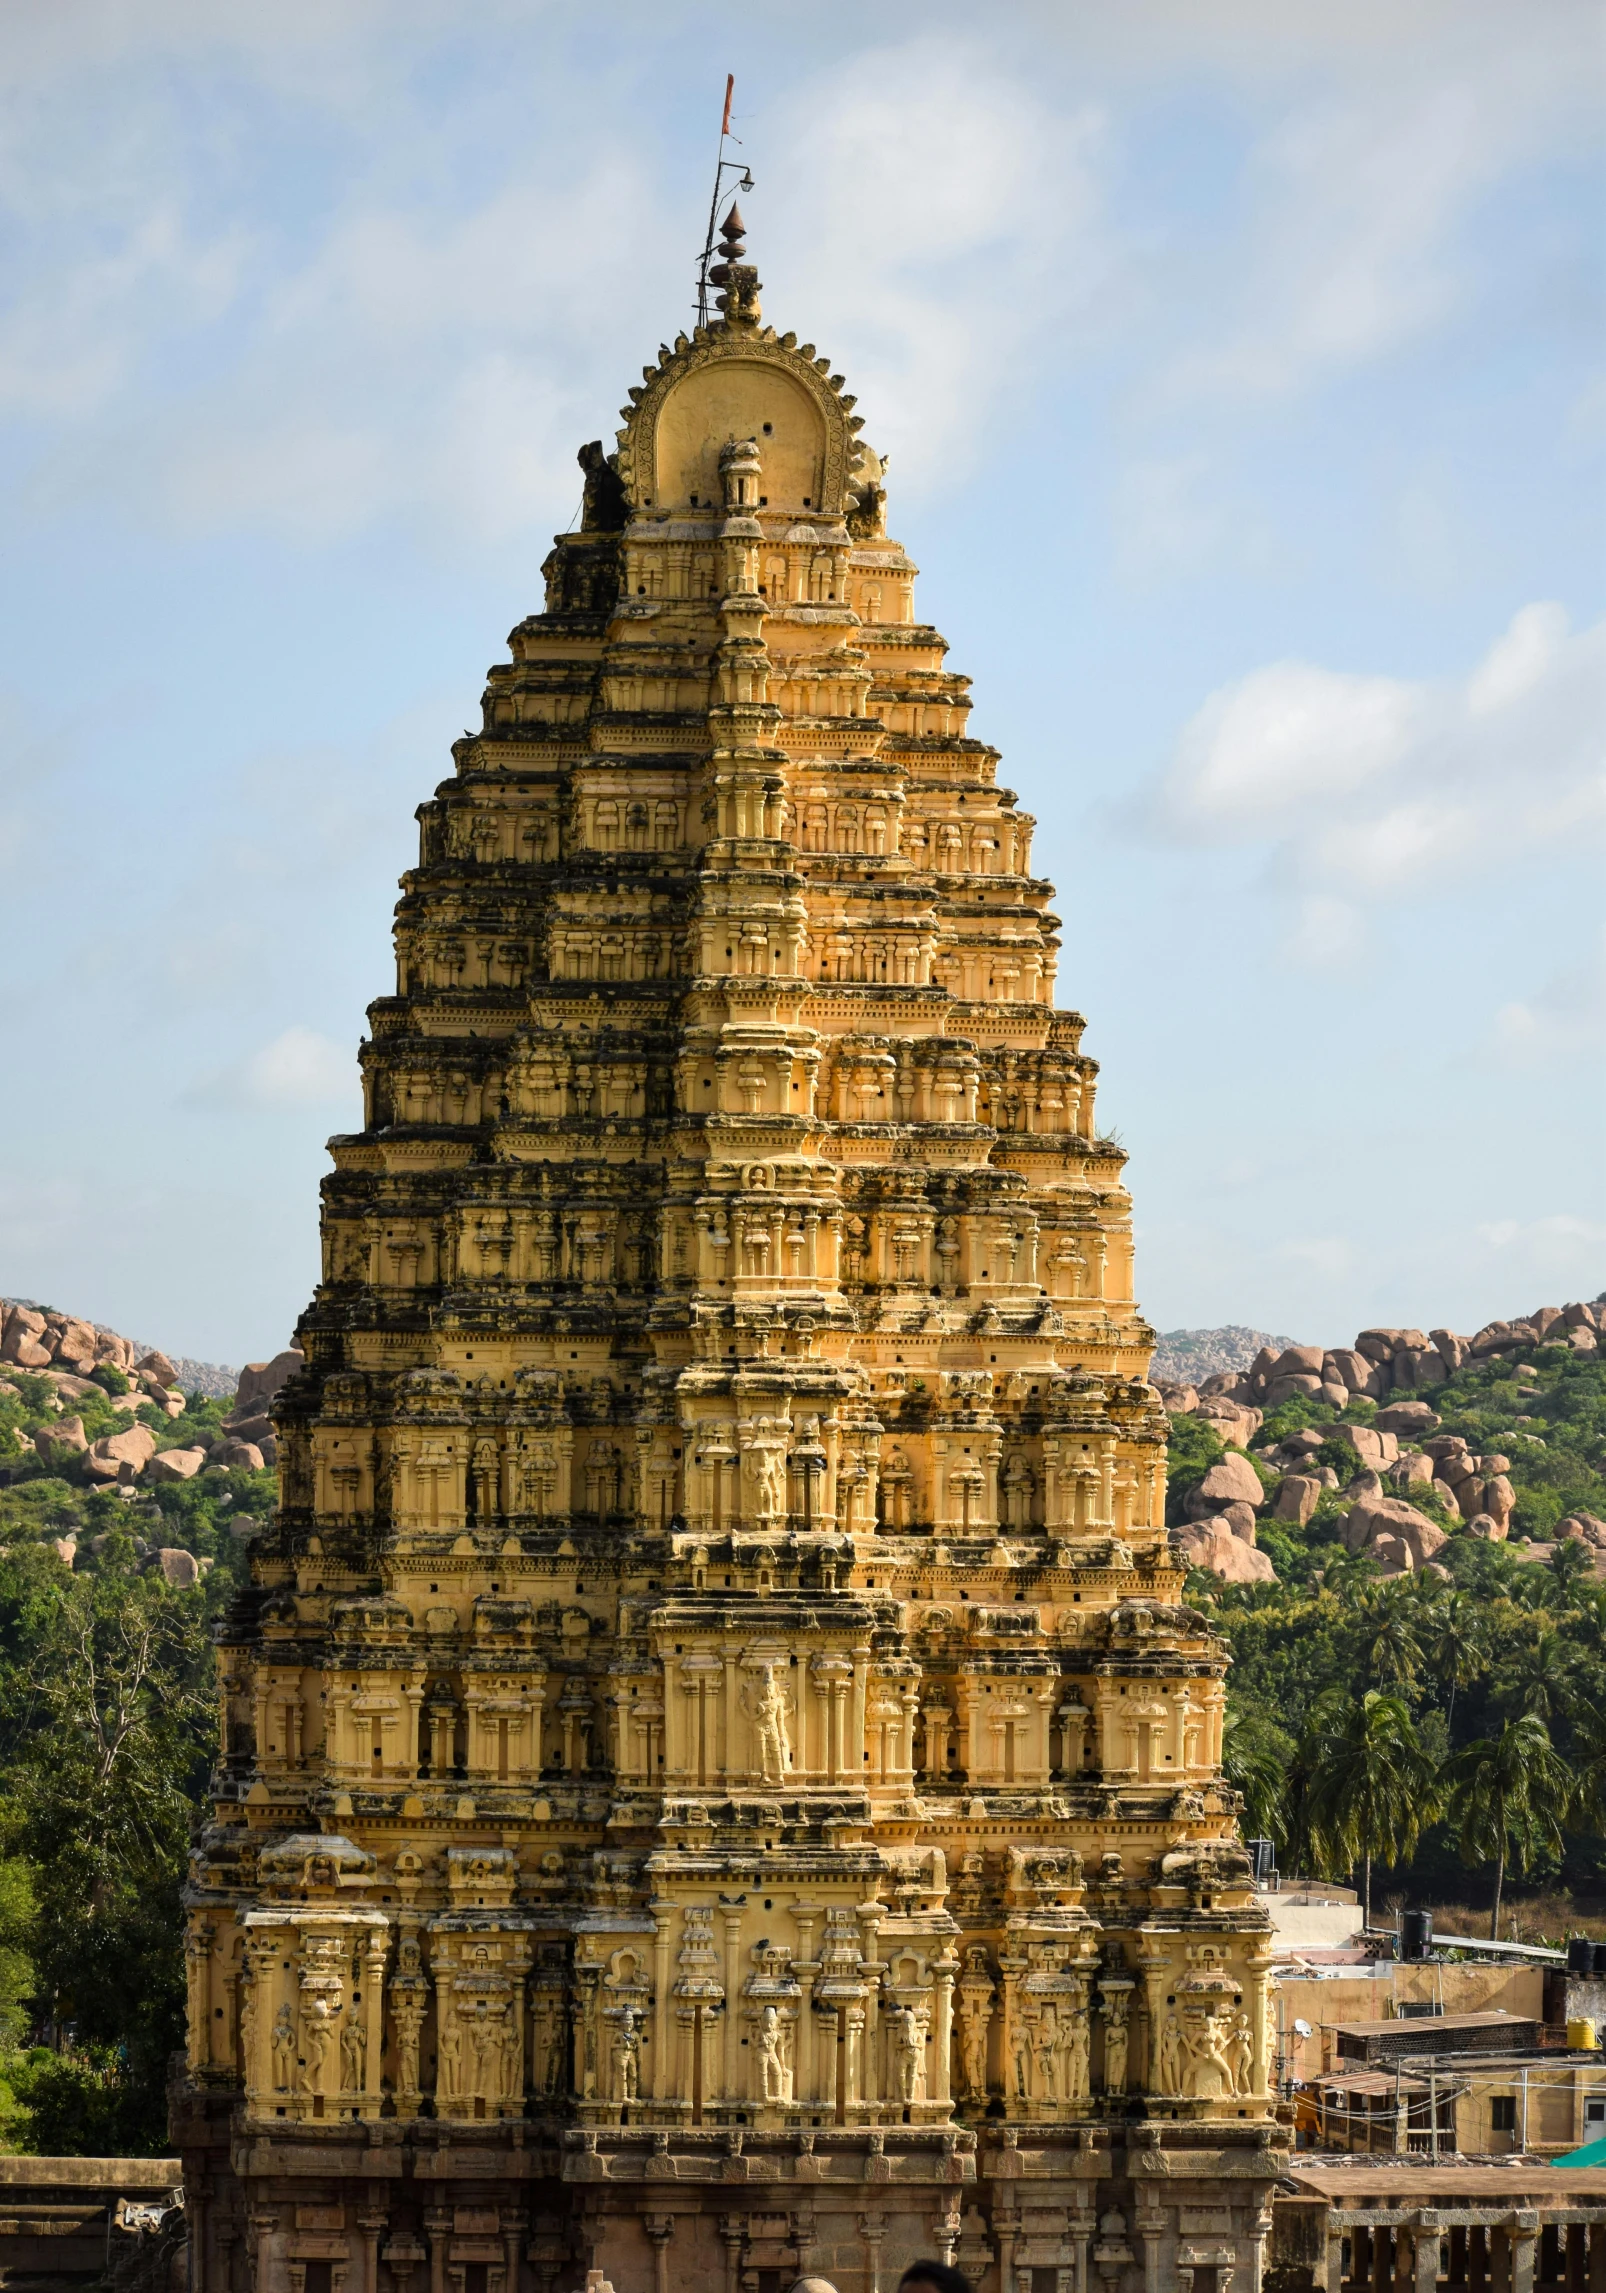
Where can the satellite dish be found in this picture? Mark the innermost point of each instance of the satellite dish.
(1302, 2028)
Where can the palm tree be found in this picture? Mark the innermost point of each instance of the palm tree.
(1255, 1758)
(1571, 1564)
(1372, 1786)
(1540, 1675)
(1507, 1797)
(1457, 1644)
(1392, 1621)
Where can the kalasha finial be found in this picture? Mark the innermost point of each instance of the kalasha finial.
(738, 281)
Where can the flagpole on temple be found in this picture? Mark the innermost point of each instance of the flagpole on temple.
(721, 163)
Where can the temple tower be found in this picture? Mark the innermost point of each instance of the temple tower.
(716, 1780)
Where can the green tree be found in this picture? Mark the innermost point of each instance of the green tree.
(111, 1727)
(1371, 1788)
(1255, 1758)
(1507, 1797)
(1392, 1621)
(1540, 1675)
(1457, 1646)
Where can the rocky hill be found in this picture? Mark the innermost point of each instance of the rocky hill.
(214, 1379)
(101, 1437)
(1394, 1446)
(1184, 1357)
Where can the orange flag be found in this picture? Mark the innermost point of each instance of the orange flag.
(730, 85)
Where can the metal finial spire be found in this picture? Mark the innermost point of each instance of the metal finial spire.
(745, 183)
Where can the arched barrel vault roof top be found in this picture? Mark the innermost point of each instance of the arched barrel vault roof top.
(729, 382)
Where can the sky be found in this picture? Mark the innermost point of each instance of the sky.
(1240, 368)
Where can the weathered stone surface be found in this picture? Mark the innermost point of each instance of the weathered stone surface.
(237, 1456)
(1232, 1420)
(1211, 1545)
(721, 1456)
(1499, 1497)
(178, 1567)
(1411, 1418)
(1349, 1367)
(1295, 1359)
(1240, 1518)
(23, 1338)
(76, 1347)
(175, 1465)
(158, 1366)
(120, 1456)
(261, 1380)
(1298, 1495)
(257, 1428)
(65, 1438)
(1285, 1385)
(1485, 1525)
(1231, 1481)
(1376, 1518)
(1371, 1447)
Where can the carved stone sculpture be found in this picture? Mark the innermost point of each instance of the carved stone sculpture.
(715, 1715)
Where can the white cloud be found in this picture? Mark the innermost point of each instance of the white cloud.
(1562, 1255)
(1567, 1016)
(1362, 195)
(955, 227)
(1366, 788)
(299, 1068)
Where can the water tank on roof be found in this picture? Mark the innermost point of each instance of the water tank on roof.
(1416, 1934)
(1580, 1955)
(1600, 1960)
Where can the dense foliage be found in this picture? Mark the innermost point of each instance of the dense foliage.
(107, 1731)
(1450, 1725)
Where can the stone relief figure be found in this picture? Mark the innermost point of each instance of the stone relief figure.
(1170, 2064)
(1021, 2048)
(1045, 2052)
(482, 2037)
(284, 2050)
(774, 2076)
(320, 2035)
(1115, 2044)
(627, 2056)
(976, 1994)
(1209, 2072)
(1078, 2050)
(1240, 2053)
(767, 1707)
(908, 2054)
(547, 2041)
(408, 2014)
(354, 2052)
(449, 2061)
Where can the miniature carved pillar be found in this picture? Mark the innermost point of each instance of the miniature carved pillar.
(662, 1914)
(197, 1959)
(436, 2226)
(375, 1946)
(943, 2025)
(733, 1984)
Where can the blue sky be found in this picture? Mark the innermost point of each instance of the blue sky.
(1241, 372)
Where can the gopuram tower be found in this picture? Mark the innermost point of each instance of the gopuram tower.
(717, 1783)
